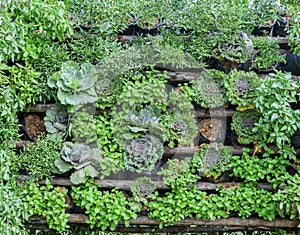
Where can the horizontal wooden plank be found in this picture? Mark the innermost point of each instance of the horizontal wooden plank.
(234, 221)
(125, 184)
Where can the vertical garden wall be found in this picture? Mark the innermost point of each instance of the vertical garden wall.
(149, 116)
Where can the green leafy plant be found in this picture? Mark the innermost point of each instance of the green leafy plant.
(213, 159)
(240, 87)
(75, 84)
(247, 199)
(255, 168)
(288, 198)
(38, 158)
(267, 56)
(179, 173)
(111, 150)
(243, 124)
(293, 27)
(207, 90)
(278, 121)
(83, 159)
(176, 205)
(29, 26)
(141, 94)
(83, 128)
(141, 153)
(48, 201)
(56, 120)
(14, 210)
(105, 208)
(179, 120)
(142, 188)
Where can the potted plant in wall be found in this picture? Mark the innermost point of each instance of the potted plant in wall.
(207, 90)
(267, 56)
(240, 87)
(212, 160)
(242, 125)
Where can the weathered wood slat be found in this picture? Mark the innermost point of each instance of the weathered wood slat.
(234, 221)
(125, 184)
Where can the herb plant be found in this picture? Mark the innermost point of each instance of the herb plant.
(288, 198)
(48, 201)
(104, 208)
(111, 150)
(278, 121)
(82, 127)
(38, 158)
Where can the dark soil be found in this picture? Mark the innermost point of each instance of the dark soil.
(209, 128)
(34, 126)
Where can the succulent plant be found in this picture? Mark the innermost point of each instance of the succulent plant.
(141, 153)
(213, 159)
(243, 124)
(142, 188)
(56, 120)
(75, 83)
(145, 121)
(240, 86)
(207, 90)
(179, 120)
(83, 159)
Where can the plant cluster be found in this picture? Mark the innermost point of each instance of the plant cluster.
(243, 124)
(213, 159)
(241, 87)
(112, 152)
(254, 168)
(38, 158)
(207, 90)
(56, 120)
(105, 209)
(48, 201)
(80, 157)
(75, 84)
(278, 121)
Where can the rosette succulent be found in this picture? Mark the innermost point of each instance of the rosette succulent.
(56, 120)
(142, 188)
(145, 121)
(83, 159)
(207, 90)
(243, 124)
(213, 159)
(141, 153)
(139, 108)
(75, 83)
(240, 86)
(179, 120)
